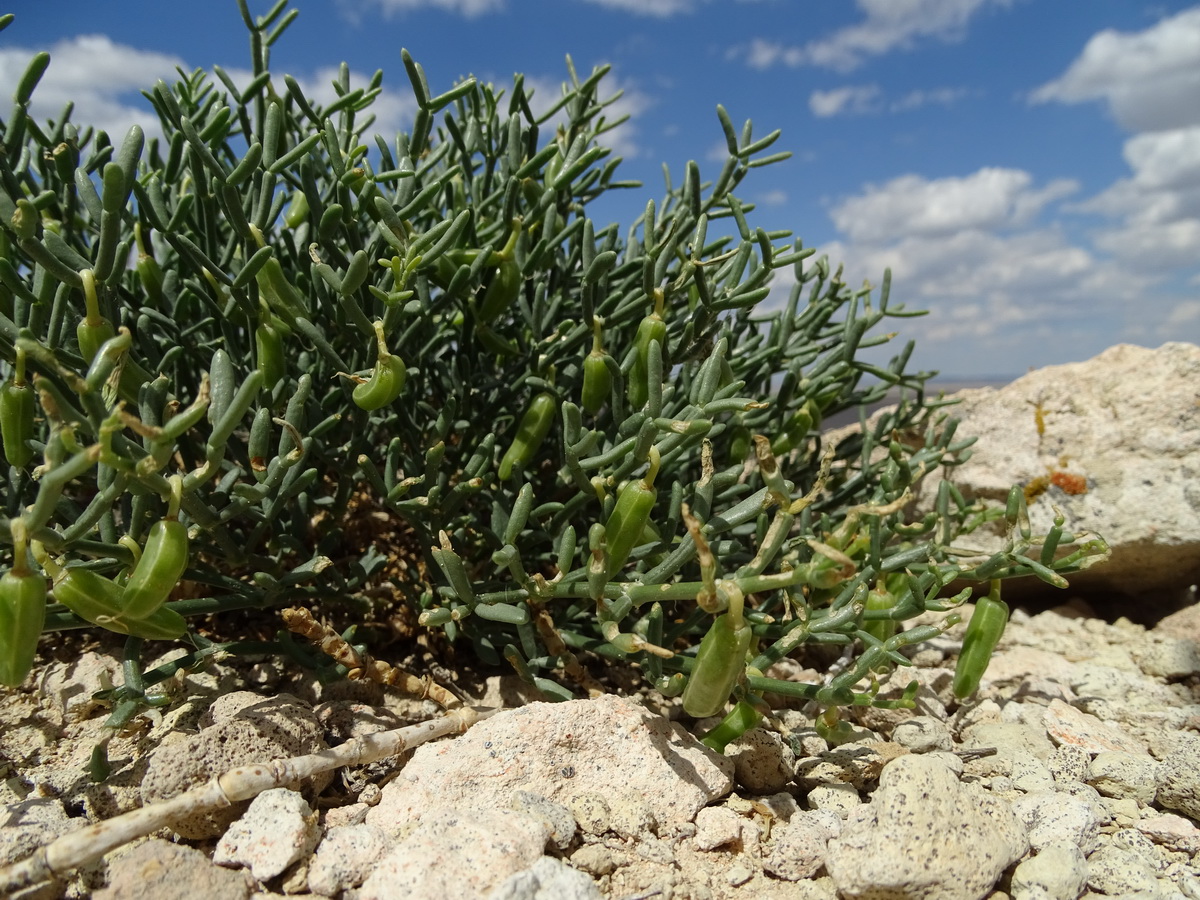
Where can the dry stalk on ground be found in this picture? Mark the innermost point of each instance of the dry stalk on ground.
(90, 843)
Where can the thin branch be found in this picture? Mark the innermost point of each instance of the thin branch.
(90, 843)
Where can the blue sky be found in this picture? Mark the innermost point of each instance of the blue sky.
(1029, 169)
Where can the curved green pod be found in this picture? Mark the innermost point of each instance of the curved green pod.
(22, 612)
(158, 570)
(98, 600)
(651, 328)
(16, 416)
(386, 381)
(983, 634)
(597, 377)
(630, 516)
(531, 431)
(719, 661)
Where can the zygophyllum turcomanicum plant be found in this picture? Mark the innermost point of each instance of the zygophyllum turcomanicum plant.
(269, 358)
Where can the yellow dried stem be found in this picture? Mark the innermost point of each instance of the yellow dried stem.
(557, 647)
(363, 666)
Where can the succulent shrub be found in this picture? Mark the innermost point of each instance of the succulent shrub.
(267, 358)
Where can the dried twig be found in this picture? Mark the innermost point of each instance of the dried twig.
(362, 665)
(242, 783)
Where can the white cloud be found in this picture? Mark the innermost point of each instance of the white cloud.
(105, 79)
(867, 99)
(1150, 79)
(773, 198)
(1166, 159)
(848, 100)
(935, 97)
(1157, 209)
(998, 282)
(1185, 315)
(353, 9)
(991, 199)
(1151, 83)
(888, 25)
(470, 9)
(101, 77)
(660, 9)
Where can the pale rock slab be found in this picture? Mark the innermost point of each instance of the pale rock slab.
(157, 870)
(556, 817)
(717, 826)
(547, 879)
(1070, 727)
(1179, 776)
(455, 853)
(1172, 831)
(925, 835)
(1055, 816)
(1124, 775)
(1126, 425)
(1117, 871)
(31, 823)
(277, 830)
(762, 761)
(609, 746)
(345, 857)
(1059, 872)
(797, 848)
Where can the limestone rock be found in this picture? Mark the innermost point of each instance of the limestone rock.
(277, 830)
(160, 870)
(610, 747)
(457, 853)
(345, 857)
(547, 879)
(925, 835)
(1119, 453)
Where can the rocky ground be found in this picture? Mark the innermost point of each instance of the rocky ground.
(1074, 772)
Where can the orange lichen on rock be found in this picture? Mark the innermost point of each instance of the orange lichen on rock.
(1069, 482)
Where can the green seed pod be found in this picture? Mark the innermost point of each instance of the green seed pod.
(25, 220)
(151, 276)
(97, 599)
(273, 285)
(597, 378)
(501, 292)
(506, 282)
(92, 335)
(794, 431)
(22, 613)
(258, 446)
(983, 634)
(880, 629)
(297, 211)
(742, 718)
(93, 329)
(16, 416)
(719, 661)
(268, 345)
(739, 443)
(652, 328)
(531, 431)
(162, 562)
(630, 516)
(385, 382)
